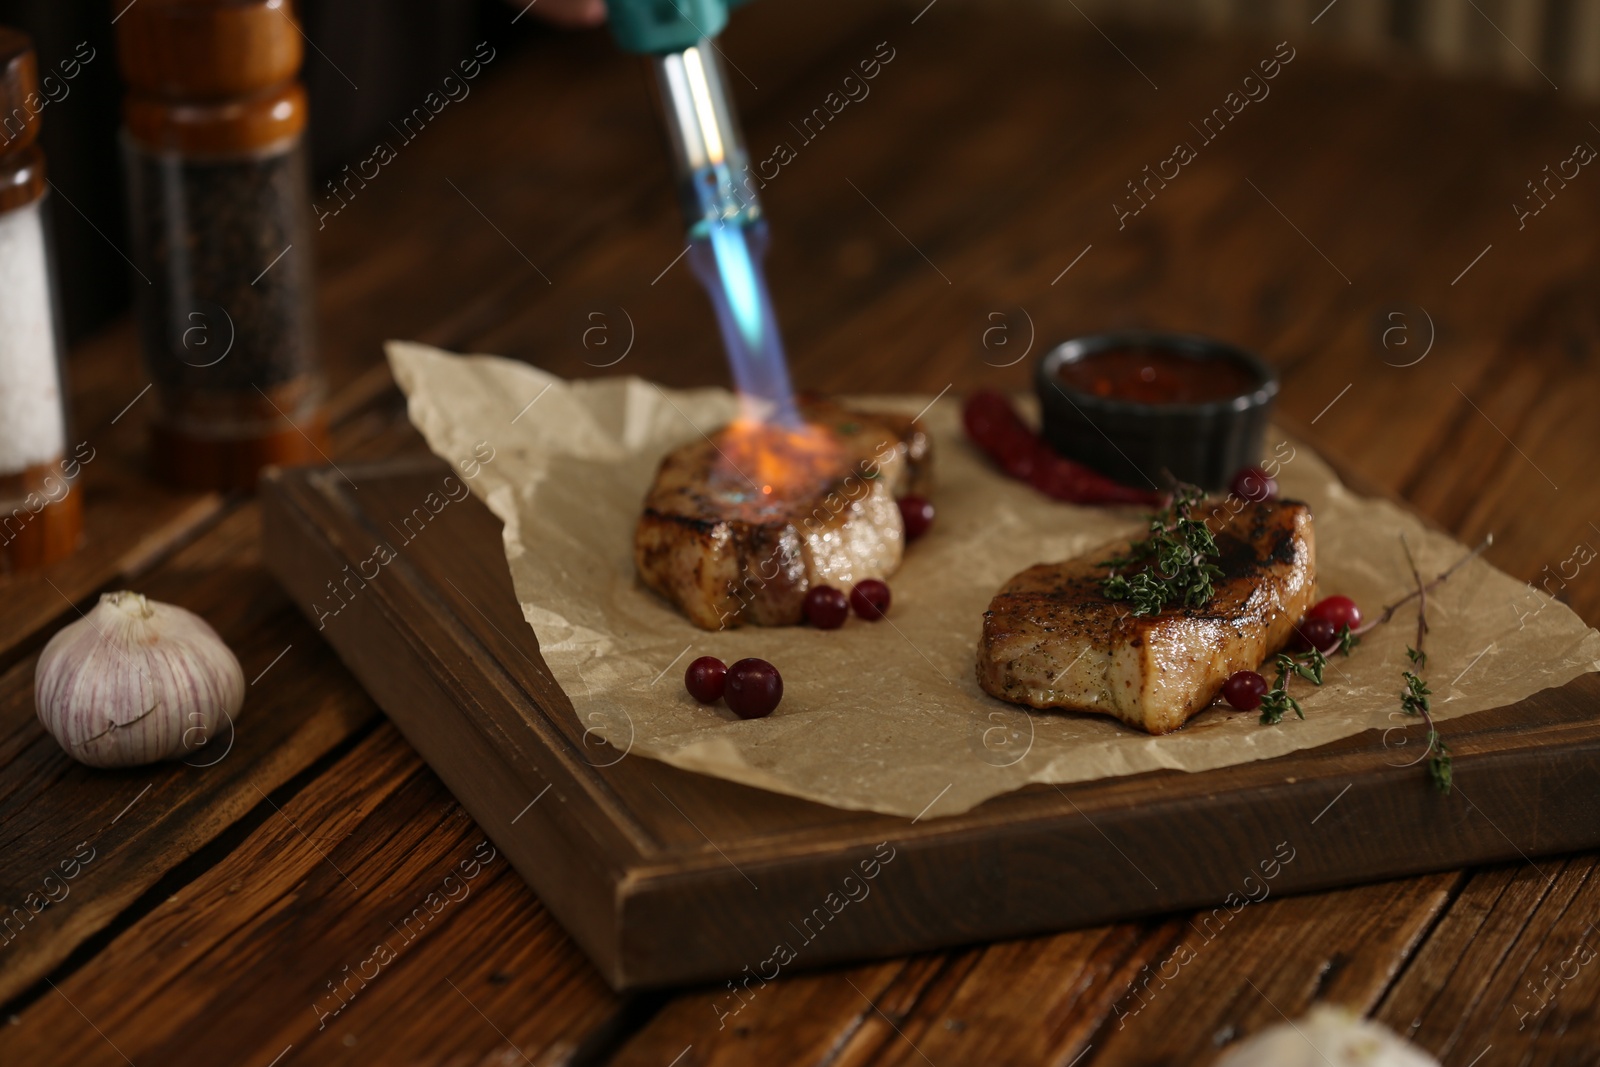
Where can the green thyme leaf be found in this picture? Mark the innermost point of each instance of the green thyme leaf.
(1347, 640)
(1414, 700)
(1439, 769)
(1276, 704)
(1171, 566)
(1311, 669)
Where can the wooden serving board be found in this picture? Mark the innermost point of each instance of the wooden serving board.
(664, 876)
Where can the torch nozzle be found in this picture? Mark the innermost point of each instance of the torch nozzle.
(727, 235)
(711, 166)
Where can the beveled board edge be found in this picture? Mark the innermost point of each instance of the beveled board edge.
(430, 704)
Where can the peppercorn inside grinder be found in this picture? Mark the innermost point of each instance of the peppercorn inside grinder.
(41, 510)
(214, 145)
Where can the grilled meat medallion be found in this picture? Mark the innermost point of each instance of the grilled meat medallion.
(1051, 639)
(739, 525)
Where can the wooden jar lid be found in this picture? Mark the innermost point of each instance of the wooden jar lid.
(199, 50)
(211, 76)
(20, 102)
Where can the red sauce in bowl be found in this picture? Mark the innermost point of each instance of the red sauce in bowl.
(1157, 376)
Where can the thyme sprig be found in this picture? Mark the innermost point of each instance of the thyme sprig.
(1171, 566)
(1414, 698)
(1421, 590)
(1306, 665)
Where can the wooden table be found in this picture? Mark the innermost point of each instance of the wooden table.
(218, 905)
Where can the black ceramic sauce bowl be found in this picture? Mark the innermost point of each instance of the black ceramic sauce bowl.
(1138, 442)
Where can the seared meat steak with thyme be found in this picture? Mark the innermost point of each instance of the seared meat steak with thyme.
(1053, 638)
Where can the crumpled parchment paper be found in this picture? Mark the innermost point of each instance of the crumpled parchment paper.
(888, 716)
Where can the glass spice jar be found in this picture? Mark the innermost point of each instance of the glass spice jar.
(41, 509)
(214, 144)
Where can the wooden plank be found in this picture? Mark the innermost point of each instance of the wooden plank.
(1175, 993)
(280, 946)
(139, 823)
(798, 1019)
(1510, 966)
(1178, 992)
(664, 894)
(299, 706)
(950, 1008)
(1066, 984)
(1234, 973)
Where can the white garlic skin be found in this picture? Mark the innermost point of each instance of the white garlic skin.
(136, 681)
(1327, 1037)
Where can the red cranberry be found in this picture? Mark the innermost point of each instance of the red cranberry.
(870, 599)
(754, 688)
(1341, 611)
(1254, 484)
(1316, 633)
(1244, 690)
(826, 608)
(917, 514)
(704, 679)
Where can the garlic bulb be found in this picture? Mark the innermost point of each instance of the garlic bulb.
(1328, 1037)
(135, 681)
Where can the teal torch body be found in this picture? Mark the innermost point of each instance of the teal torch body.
(651, 27)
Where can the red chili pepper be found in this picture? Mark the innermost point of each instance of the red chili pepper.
(994, 426)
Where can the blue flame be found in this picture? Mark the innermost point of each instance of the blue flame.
(741, 283)
(725, 251)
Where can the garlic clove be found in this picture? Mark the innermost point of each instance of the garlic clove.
(136, 681)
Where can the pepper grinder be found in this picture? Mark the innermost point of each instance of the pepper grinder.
(41, 507)
(214, 144)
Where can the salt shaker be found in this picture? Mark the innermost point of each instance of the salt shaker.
(214, 143)
(41, 509)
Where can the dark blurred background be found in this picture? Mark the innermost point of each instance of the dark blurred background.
(396, 50)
